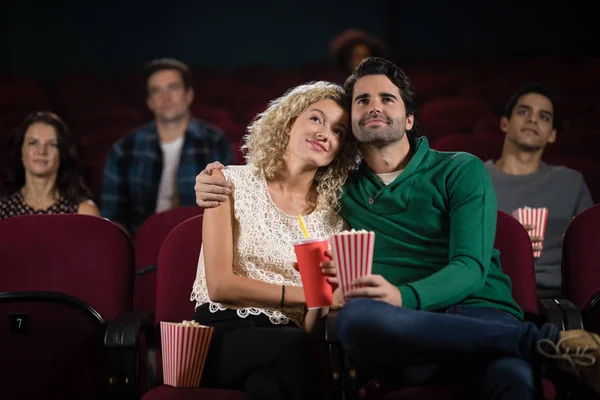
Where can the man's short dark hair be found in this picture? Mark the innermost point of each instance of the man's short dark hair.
(531, 87)
(381, 66)
(165, 64)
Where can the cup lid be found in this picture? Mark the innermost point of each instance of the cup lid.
(307, 241)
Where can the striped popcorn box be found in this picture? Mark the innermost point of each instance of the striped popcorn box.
(537, 218)
(352, 252)
(184, 349)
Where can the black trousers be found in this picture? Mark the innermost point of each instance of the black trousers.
(253, 355)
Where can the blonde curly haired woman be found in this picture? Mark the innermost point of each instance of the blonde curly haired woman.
(299, 153)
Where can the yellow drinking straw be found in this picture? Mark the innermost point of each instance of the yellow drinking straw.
(306, 235)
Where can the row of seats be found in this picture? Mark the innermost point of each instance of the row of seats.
(488, 82)
(437, 116)
(433, 77)
(460, 97)
(73, 332)
(460, 110)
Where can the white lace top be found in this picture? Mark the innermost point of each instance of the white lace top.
(262, 237)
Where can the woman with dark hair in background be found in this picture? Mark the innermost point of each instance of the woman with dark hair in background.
(352, 46)
(43, 176)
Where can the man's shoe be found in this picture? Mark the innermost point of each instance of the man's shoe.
(577, 352)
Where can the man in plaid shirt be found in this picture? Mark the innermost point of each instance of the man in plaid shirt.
(153, 169)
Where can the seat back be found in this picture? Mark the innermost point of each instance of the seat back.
(581, 257)
(486, 146)
(148, 240)
(59, 353)
(451, 114)
(62, 277)
(177, 264)
(516, 257)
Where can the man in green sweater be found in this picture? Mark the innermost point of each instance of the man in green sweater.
(437, 302)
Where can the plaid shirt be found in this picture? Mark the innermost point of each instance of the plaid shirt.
(134, 166)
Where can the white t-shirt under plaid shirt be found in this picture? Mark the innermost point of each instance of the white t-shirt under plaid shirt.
(167, 189)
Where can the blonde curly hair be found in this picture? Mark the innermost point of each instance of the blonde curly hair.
(267, 140)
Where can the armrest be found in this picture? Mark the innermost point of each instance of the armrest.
(331, 327)
(123, 338)
(551, 312)
(591, 313)
(144, 271)
(336, 355)
(561, 312)
(571, 314)
(343, 371)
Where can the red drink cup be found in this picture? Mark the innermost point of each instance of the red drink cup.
(309, 254)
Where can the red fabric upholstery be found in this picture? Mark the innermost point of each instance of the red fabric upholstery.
(443, 115)
(63, 354)
(86, 257)
(494, 92)
(96, 120)
(131, 88)
(148, 239)
(220, 117)
(320, 70)
(95, 148)
(72, 94)
(517, 261)
(209, 113)
(484, 146)
(171, 393)
(62, 358)
(581, 254)
(251, 112)
(177, 263)
(22, 93)
(574, 146)
(488, 124)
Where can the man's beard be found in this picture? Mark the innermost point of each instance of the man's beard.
(382, 136)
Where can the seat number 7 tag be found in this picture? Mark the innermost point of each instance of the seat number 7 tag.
(20, 323)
